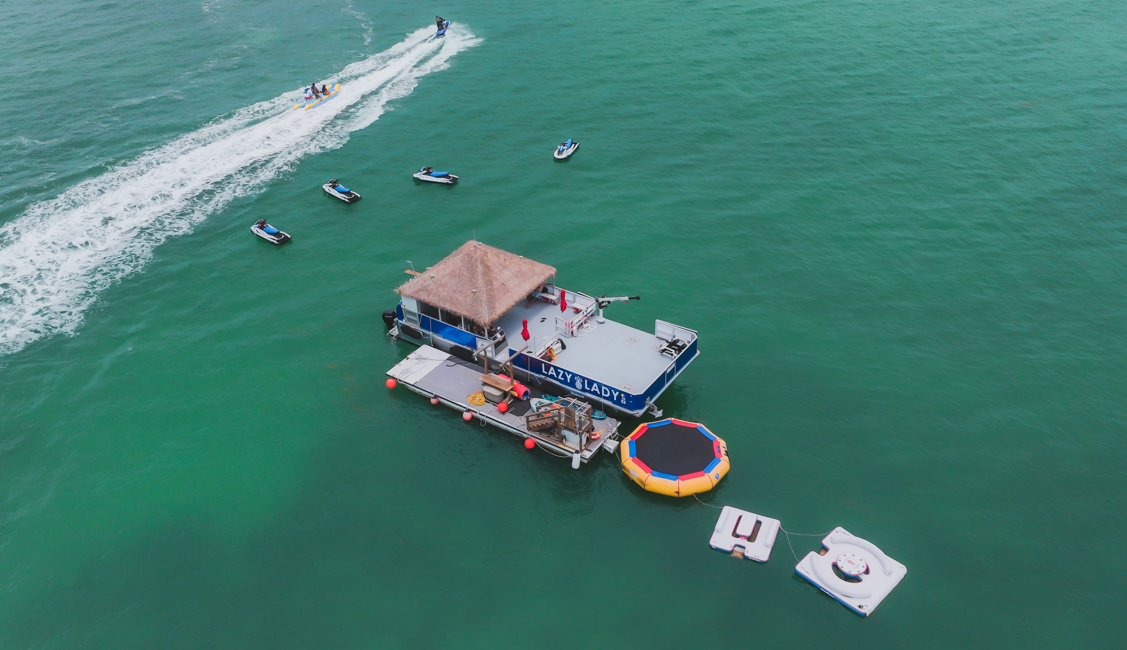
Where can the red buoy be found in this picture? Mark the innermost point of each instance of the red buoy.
(529, 443)
(502, 407)
(467, 415)
(434, 400)
(390, 382)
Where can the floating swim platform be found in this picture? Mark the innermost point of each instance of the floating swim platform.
(675, 457)
(852, 571)
(745, 534)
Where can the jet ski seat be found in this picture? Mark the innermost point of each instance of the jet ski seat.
(270, 230)
(342, 189)
(440, 174)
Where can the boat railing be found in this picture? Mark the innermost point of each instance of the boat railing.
(676, 339)
(569, 325)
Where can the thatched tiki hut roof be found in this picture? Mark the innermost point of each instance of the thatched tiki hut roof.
(478, 282)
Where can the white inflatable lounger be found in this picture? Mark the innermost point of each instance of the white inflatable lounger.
(744, 534)
(870, 575)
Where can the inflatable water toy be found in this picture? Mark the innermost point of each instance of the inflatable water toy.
(310, 100)
(269, 233)
(674, 457)
(852, 571)
(745, 534)
(334, 188)
(564, 151)
(430, 176)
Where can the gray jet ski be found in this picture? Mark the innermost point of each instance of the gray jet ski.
(334, 188)
(566, 148)
(429, 175)
(269, 233)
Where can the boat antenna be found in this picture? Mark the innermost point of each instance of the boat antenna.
(412, 266)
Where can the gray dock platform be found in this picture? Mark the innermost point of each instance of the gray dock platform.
(431, 372)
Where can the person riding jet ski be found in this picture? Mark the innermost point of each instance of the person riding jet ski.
(438, 21)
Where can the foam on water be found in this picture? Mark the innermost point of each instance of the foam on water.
(57, 256)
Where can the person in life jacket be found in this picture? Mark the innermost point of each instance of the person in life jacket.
(438, 21)
(316, 93)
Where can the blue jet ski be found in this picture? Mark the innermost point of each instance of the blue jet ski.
(334, 188)
(431, 176)
(269, 233)
(566, 148)
(442, 25)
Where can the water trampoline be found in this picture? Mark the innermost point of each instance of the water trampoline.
(674, 457)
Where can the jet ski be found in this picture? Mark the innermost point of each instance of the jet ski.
(442, 25)
(311, 100)
(269, 233)
(566, 148)
(334, 188)
(430, 176)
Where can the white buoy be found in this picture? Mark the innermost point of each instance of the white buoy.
(745, 534)
(867, 574)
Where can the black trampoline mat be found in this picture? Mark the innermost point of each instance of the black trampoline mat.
(674, 449)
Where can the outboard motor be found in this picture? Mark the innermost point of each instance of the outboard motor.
(389, 318)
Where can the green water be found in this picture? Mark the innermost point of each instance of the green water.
(896, 226)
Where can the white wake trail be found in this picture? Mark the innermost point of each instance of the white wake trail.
(57, 256)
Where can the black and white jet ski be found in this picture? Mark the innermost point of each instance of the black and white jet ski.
(442, 25)
(566, 148)
(334, 188)
(269, 233)
(429, 175)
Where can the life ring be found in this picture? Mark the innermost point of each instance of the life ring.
(595, 436)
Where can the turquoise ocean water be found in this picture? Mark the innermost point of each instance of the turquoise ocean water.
(897, 226)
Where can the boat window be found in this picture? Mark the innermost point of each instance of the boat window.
(451, 319)
(428, 310)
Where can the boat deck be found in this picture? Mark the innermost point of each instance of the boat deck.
(617, 355)
(432, 372)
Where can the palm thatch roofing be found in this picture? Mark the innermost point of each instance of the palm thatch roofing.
(478, 282)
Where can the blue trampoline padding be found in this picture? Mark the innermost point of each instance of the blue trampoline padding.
(341, 188)
(270, 229)
(706, 433)
(711, 465)
(659, 424)
(630, 449)
(440, 174)
(664, 475)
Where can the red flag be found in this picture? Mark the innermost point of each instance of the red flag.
(524, 332)
(563, 300)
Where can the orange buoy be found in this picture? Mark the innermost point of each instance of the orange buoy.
(529, 443)
(467, 415)
(502, 407)
(434, 400)
(391, 382)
